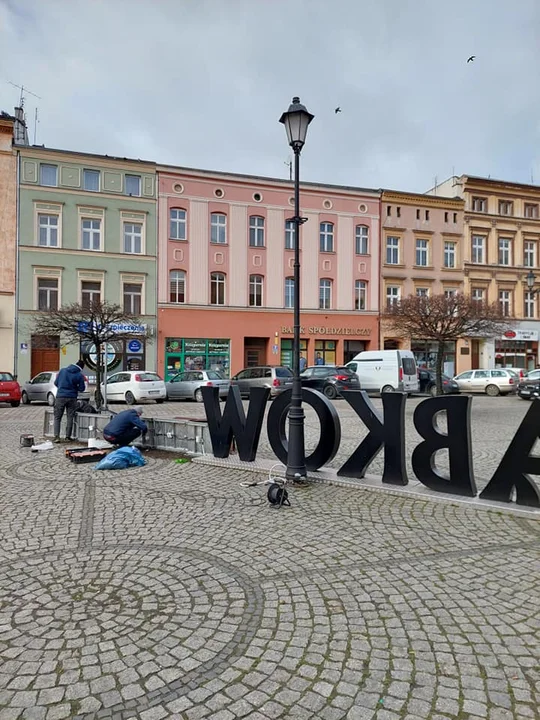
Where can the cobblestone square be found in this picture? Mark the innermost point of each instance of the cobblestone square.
(171, 591)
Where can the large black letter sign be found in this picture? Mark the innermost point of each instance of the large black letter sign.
(246, 431)
(387, 432)
(330, 438)
(517, 463)
(457, 442)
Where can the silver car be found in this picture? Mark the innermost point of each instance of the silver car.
(187, 385)
(276, 377)
(490, 382)
(41, 388)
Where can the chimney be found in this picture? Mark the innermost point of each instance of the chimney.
(20, 131)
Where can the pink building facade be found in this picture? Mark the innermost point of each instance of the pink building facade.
(225, 273)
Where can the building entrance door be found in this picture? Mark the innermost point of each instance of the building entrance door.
(254, 351)
(475, 354)
(45, 354)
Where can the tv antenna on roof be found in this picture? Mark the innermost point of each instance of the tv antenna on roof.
(23, 91)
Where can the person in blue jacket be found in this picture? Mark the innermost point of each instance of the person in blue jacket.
(70, 382)
(125, 427)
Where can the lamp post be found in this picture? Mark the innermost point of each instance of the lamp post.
(530, 277)
(296, 121)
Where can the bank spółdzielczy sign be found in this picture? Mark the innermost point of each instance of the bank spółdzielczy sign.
(385, 432)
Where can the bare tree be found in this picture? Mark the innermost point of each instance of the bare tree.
(97, 323)
(444, 319)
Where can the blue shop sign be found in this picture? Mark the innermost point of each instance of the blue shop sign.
(135, 346)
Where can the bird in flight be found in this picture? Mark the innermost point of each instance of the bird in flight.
(338, 109)
(471, 58)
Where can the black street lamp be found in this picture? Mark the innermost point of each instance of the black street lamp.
(296, 121)
(530, 277)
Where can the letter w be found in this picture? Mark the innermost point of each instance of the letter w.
(233, 423)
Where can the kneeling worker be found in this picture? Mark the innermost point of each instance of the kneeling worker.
(125, 427)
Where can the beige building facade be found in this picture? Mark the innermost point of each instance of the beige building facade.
(8, 242)
(421, 254)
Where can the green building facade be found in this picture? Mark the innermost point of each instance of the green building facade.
(87, 231)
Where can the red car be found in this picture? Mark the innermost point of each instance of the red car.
(10, 390)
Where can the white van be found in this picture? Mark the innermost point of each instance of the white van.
(385, 370)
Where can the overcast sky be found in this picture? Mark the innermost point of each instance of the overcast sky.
(202, 83)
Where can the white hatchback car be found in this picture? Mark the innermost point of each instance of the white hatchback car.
(133, 386)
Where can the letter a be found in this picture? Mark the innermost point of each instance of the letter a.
(517, 463)
(388, 433)
(233, 423)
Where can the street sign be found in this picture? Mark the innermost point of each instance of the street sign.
(135, 346)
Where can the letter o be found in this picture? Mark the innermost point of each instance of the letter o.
(330, 437)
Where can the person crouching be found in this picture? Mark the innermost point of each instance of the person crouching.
(125, 427)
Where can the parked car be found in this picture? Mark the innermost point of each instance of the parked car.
(385, 370)
(490, 382)
(187, 385)
(529, 387)
(41, 388)
(329, 379)
(10, 390)
(427, 381)
(132, 386)
(276, 377)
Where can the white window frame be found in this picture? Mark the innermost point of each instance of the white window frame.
(41, 208)
(93, 173)
(126, 279)
(478, 246)
(48, 228)
(504, 206)
(218, 279)
(93, 233)
(360, 295)
(87, 276)
(392, 297)
(422, 292)
(218, 226)
(421, 252)
(529, 253)
(529, 304)
(46, 273)
(449, 255)
(179, 222)
(326, 237)
(478, 295)
(88, 213)
(48, 165)
(132, 236)
(289, 234)
(505, 302)
(479, 204)
(530, 211)
(256, 231)
(361, 240)
(256, 290)
(325, 294)
(288, 299)
(182, 278)
(450, 292)
(504, 251)
(139, 178)
(392, 249)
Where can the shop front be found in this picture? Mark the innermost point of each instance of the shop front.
(196, 354)
(121, 355)
(517, 349)
(425, 354)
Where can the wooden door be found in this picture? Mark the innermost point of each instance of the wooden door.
(475, 354)
(45, 354)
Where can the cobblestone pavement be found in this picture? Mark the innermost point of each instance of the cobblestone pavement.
(170, 591)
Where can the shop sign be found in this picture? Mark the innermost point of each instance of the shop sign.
(321, 330)
(83, 326)
(530, 335)
(135, 346)
(510, 481)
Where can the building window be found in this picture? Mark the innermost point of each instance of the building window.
(90, 293)
(427, 215)
(450, 292)
(133, 185)
(478, 295)
(505, 251)
(177, 224)
(133, 238)
(506, 207)
(255, 290)
(326, 237)
(477, 254)
(256, 231)
(177, 286)
(388, 211)
(133, 298)
(361, 238)
(217, 289)
(418, 213)
(449, 255)
(455, 217)
(529, 253)
(360, 295)
(393, 295)
(392, 250)
(325, 294)
(445, 217)
(289, 292)
(47, 293)
(530, 304)
(48, 230)
(505, 302)
(479, 204)
(422, 253)
(91, 180)
(289, 235)
(218, 228)
(531, 211)
(398, 211)
(422, 292)
(48, 175)
(91, 234)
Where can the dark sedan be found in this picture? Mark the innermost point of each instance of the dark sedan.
(529, 387)
(427, 382)
(329, 379)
